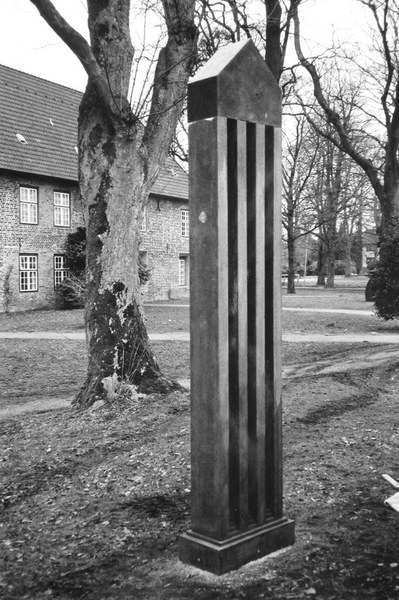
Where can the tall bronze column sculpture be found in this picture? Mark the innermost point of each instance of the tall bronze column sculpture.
(234, 110)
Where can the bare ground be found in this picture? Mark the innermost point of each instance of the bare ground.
(92, 503)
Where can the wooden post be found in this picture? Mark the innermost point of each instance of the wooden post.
(234, 110)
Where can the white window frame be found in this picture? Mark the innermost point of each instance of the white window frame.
(28, 205)
(183, 270)
(62, 209)
(185, 222)
(143, 222)
(28, 273)
(60, 269)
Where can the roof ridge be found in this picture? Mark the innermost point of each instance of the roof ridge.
(52, 83)
(45, 114)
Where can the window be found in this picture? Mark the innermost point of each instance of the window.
(183, 270)
(28, 205)
(143, 222)
(60, 269)
(184, 222)
(28, 272)
(61, 209)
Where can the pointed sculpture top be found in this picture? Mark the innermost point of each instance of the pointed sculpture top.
(235, 83)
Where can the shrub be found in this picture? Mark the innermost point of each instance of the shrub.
(75, 251)
(311, 268)
(144, 272)
(385, 276)
(340, 267)
(70, 293)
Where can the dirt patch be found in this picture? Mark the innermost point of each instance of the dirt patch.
(92, 504)
(328, 360)
(32, 369)
(95, 508)
(335, 323)
(35, 406)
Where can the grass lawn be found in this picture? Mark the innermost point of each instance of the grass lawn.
(43, 320)
(35, 369)
(92, 503)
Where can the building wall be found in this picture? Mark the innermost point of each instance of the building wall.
(162, 243)
(43, 239)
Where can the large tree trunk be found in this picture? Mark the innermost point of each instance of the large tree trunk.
(389, 202)
(348, 244)
(330, 266)
(333, 188)
(291, 254)
(348, 256)
(119, 159)
(274, 50)
(330, 242)
(321, 264)
(117, 339)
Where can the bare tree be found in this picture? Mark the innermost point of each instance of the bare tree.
(267, 23)
(381, 125)
(220, 22)
(119, 159)
(300, 151)
(339, 197)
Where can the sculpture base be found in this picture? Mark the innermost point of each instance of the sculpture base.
(222, 556)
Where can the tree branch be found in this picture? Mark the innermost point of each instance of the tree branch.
(333, 117)
(274, 56)
(170, 81)
(82, 50)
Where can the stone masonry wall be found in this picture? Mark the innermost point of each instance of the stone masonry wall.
(162, 243)
(44, 239)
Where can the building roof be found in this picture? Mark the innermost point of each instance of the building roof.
(45, 115)
(38, 132)
(172, 181)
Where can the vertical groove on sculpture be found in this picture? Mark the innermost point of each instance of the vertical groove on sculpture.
(234, 457)
(242, 280)
(269, 317)
(252, 323)
(260, 319)
(278, 466)
(223, 318)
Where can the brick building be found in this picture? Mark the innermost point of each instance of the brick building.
(40, 204)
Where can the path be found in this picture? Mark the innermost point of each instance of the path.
(363, 358)
(184, 336)
(342, 311)
(37, 406)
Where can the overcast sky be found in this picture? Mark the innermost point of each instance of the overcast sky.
(28, 44)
